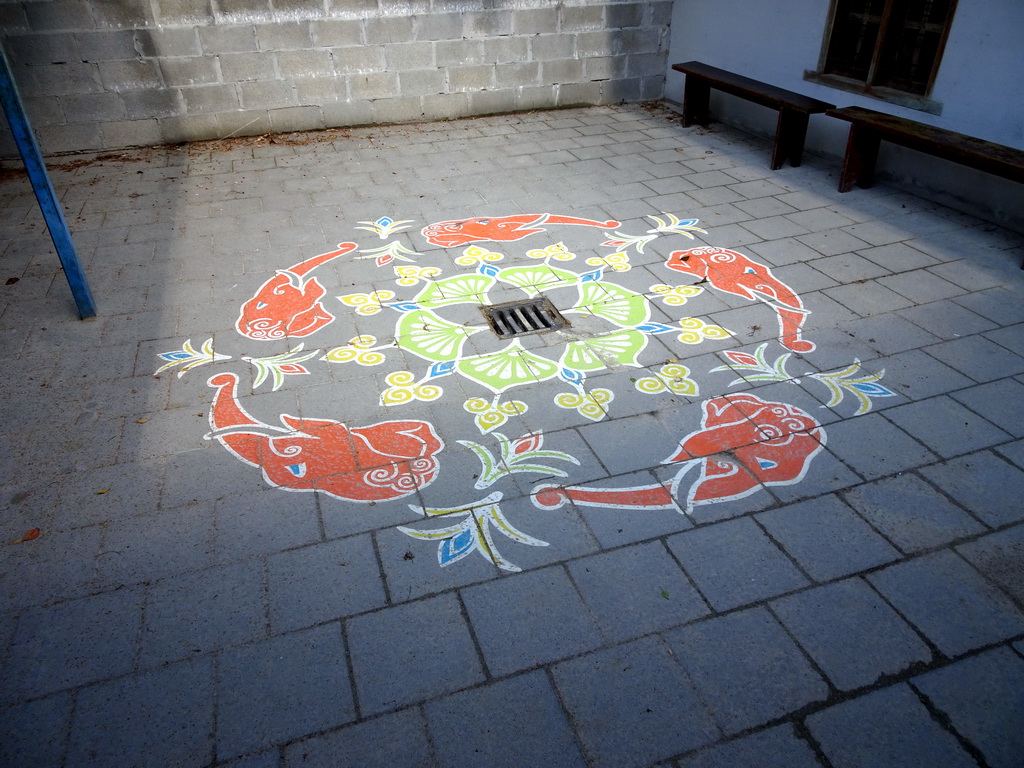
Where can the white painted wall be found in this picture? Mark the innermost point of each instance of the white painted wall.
(980, 85)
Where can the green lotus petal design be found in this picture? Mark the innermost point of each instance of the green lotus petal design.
(604, 351)
(425, 334)
(614, 303)
(508, 368)
(536, 277)
(461, 289)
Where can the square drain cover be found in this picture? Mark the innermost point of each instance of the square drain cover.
(520, 318)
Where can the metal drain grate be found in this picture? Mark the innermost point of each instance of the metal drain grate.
(520, 318)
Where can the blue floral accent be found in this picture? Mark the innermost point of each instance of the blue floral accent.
(488, 269)
(403, 306)
(592, 277)
(654, 328)
(441, 369)
(571, 376)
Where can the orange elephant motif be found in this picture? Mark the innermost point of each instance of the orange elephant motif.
(500, 228)
(734, 273)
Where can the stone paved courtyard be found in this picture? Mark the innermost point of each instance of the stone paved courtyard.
(290, 501)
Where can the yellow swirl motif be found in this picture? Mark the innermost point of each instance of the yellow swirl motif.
(557, 251)
(490, 415)
(696, 330)
(650, 385)
(412, 275)
(676, 295)
(475, 254)
(587, 404)
(404, 389)
(356, 350)
(367, 303)
(618, 262)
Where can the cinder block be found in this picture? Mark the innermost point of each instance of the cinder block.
(341, 113)
(446, 106)
(298, 10)
(172, 41)
(537, 97)
(608, 42)
(619, 91)
(66, 15)
(659, 14)
(652, 87)
(269, 94)
(351, 9)
(439, 26)
(71, 137)
(625, 15)
(332, 32)
(305, 63)
(487, 23)
(421, 82)
(297, 119)
(244, 123)
(228, 39)
(42, 50)
(636, 41)
(604, 68)
(13, 18)
(239, 67)
(117, 76)
(106, 45)
(244, 11)
(402, 57)
(320, 91)
(118, 14)
(284, 36)
(210, 98)
(404, 110)
(564, 71)
(181, 128)
(521, 74)
(182, 12)
(459, 52)
(576, 94)
(93, 107)
(645, 64)
(131, 133)
(534, 21)
(502, 50)
(360, 59)
(44, 110)
(581, 18)
(493, 102)
(388, 30)
(553, 47)
(153, 102)
(190, 70)
(373, 85)
(470, 78)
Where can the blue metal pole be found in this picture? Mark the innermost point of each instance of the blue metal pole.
(41, 185)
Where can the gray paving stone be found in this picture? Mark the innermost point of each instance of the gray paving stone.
(323, 582)
(203, 611)
(634, 705)
(734, 563)
(631, 443)
(874, 447)
(163, 717)
(461, 725)
(406, 669)
(71, 644)
(885, 728)
(827, 538)
(746, 668)
(849, 267)
(1012, 338)
(912, 514)
(890, 334)
(916, 375)
(930, 589)
(851, 634)
(868, 298)
(1000, 557)
(529, 619)
(636, 590)
(1014, 452)
(989, 400)
(52, 567)
(945, 426)
(265, 522)
(831, 243)
(985, 484)
(1000, 305)
(34, 733)
(979, 358)
(281, 689)
(982, 696)
(777, 747)
(398, 740)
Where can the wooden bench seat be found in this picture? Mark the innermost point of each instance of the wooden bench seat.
(793, 108)
(868, 128)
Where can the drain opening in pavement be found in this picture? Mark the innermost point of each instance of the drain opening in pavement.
(521, 318)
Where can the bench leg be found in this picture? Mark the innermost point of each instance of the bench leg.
(860, 159)
(696, 94)
(790, 132)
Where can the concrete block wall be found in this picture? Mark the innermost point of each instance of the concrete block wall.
(107, 74)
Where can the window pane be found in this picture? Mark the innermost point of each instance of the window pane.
(854, 35)
(911, 47)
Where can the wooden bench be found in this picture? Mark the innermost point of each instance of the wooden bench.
(868, 128)
(793, 108)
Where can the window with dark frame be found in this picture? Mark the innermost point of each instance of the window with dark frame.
(893, 45)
